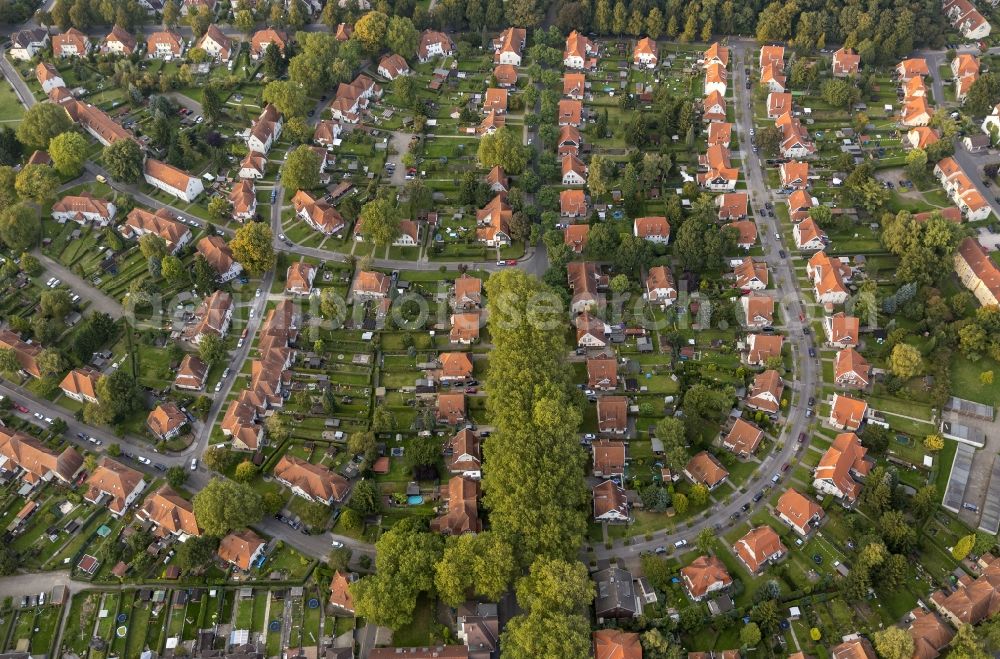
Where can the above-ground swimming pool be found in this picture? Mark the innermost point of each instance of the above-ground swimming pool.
(414, 499)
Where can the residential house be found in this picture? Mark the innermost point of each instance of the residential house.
(965, 18)
(310, 481)
(461, 499)
(655, 229)
(587, 284)
(80, 384)
(493, 222)
(84, 208)
(853, 647)
(778, 103)
(570, 141)
(36, 462)
(96, 122)
(713, 107)
(371, 284)
(170, 514)
(799, 512)
(617, 597)
(751, 275)
(921, 137)
(241, 549)
(720, 175)
(602, 374)
(507, 48)
(464, 328)
(973, 600)
(25, 44)
(765, 393)
(48, 77)
(261, 39)
(165, 44)
(846, 62)
(344, 32)
(720, 133)
(450, 409)
(716, 54)
(393, 66)
(265, 130)
(591, 332)
(704, 576)
(25, 352)
(807, 234)
(758, 310)
(574, 85)
(771, 55)
(616, 644)
(612, 415)
(841, 467)
(760, 547)
(215, 250)
(166, 421)
(977, 271)
(800, 203)
(851, 370)
(762, 347)
(119, 42)
(299, 278)
(829, 275)
(340, 591)
(318, 213)
(454, 367)
(240, 423)
(660, 288)
(847, 413)
(608, 457)
(916, 112)
(254, 165)
(216, 44)
(772, 76)
(912, 68)
(464, 454)
(746, 233)
(191, 373)
(434, 44)
(706, 469)
(842, 331)
(930, 635)
(743, 438)
(71, 43)
(794, 174)
(141, 222)
(795, 141)
(212, 316)
(992, 121)
(505, 75)
(172, 180)
(468, 292)
(573, 203)
(715, 79)
(570, 112)
(495, 101)
(243, 197)
(574, 172)
(579, 51)
(575, 236)
(965, 71)
(114, 484)
(610, 503)
(491, 124)
(327, 132)
(732, 205)
(645, 53)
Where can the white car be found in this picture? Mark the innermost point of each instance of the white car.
(48, 420)
(251, 312)
(225, 373)
(39, 416)
(49, 282)
(239, 344)
(218, 386)
(143, 460)
(680, 543)
(257, 294)
(336, 544)
(194, 464)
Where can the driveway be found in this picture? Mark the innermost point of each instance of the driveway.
(400, 143)
(97, 298)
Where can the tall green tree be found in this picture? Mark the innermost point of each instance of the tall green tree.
(41, 123)
(224, 505)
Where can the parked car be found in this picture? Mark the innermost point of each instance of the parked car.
(144, 460)
(194, 464)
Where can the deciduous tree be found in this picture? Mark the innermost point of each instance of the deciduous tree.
(224, 505)
(69, 153)
(253, 247)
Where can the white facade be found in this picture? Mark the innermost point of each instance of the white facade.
(190, 192)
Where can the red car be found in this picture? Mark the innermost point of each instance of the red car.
(21, 408)
(511, 261)
(471, 390)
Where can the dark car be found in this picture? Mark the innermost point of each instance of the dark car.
(812, 352)
(812, 401)
(802, 438)
(781, 253)
(757, 497)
